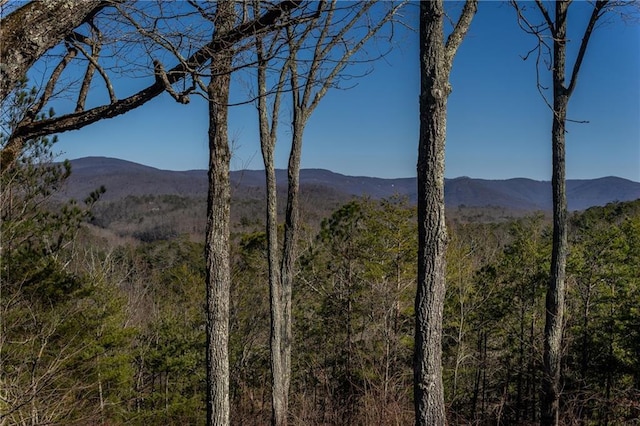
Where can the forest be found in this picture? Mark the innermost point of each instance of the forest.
(288, 311)
(101, 332)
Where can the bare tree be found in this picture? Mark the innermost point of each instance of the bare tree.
(28, 32)
(552, 39)
(189, 65)
(436, 60)
(268, 130)
(344, 29)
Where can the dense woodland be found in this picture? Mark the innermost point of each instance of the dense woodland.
(101, 329)
(161, 310)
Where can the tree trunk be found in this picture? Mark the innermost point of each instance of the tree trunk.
(28, 32)
(436, 59)
(291, 235)
(279, 373)
(554, 304)
(556, 291)
(217, 239)
(432, 233)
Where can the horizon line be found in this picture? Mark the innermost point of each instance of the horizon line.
(348, 175)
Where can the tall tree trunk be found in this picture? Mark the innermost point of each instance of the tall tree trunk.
(432, 233)
(554, 316)
(279, 371)
(279, 389)
(436, 59)
(218, 277)
(556, 290)
(290, 246)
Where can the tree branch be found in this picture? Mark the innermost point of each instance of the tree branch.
(350, 52)
(547, 17)
(55, 75)
(28, 32)
(93, 65)
(457, 35)
(595, 15)
(31, 129)
(161, 77)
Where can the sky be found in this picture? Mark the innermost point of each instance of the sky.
(498, 125)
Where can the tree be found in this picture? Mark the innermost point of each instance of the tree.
(343, 32)
(166, 294)
(355, 308)
(219, 54)
(218, 278)
(189, 64)
(62, 335)
(563, 86)
(600, 374)
(268, 125)
(28, 32)
(436, 60)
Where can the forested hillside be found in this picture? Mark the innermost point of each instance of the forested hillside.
(138, 296)
(124, 178)
(111, 331)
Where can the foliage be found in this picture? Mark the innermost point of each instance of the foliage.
(62, 330)
(354, 318)
(602, 363)
(98, 334)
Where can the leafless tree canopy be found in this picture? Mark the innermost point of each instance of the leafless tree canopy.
(166, 45)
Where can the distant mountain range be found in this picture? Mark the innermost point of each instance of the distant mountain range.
(122, 178)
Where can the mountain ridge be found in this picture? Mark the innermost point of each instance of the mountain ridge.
(123, 178)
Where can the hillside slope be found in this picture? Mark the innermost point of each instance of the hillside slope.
(123, 178)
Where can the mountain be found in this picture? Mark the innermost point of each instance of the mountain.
(122, 178)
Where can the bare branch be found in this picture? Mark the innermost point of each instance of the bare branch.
(318, 54)
(460, 30)
(598, 9)
(88, 76)
(348, 54)
(206, 15)
(161, 77)
(547, 18)
(55, 75)
(30, 129)
(96, 45)
(49, 22)
(326, 44)
(537, 31)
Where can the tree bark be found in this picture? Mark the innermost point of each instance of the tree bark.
(436, 59)
(28, 32)
(432, 234)
(279, 373)
(555, 292)
(555, 303)
(290, 249)
(218, 278)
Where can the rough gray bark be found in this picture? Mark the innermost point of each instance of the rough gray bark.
(290, 251)
(556, 289)
(436, 59)
(28, 32)
(280, 376)
(218, 278)
(555, 299)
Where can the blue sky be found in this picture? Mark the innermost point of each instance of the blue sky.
(498, 125)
